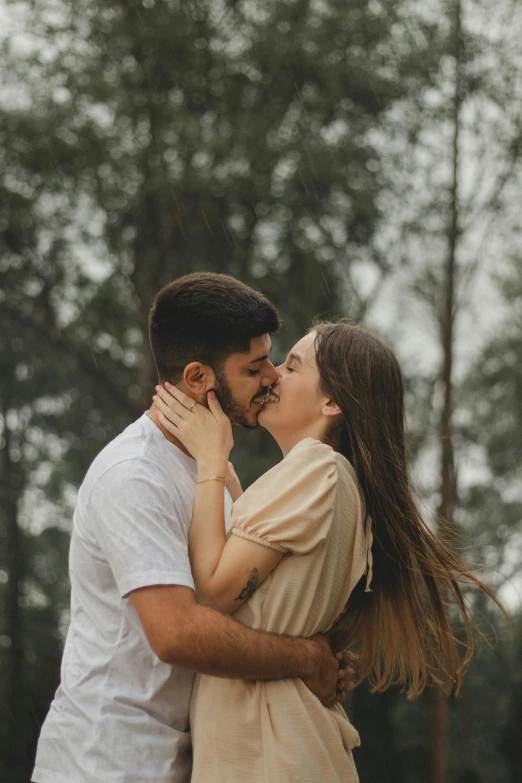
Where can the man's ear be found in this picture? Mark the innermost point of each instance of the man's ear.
(331, 409)
(198, 378)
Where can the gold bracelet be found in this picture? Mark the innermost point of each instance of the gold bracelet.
(212, 478)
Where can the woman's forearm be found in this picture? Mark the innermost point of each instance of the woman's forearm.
(207, 536)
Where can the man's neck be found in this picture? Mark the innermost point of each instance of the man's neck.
(152, 413)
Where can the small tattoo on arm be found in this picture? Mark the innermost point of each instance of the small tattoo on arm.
(250, 587)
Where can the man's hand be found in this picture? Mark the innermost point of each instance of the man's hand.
(347, 673)
(332, 675)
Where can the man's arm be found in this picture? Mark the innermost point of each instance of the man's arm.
(183, 633)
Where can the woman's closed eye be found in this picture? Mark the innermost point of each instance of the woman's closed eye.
(290, 369)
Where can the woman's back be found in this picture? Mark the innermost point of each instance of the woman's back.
(309, 507)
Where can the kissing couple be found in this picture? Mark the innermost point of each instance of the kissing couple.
(208, 624)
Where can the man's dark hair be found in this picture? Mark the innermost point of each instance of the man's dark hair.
(205, 317)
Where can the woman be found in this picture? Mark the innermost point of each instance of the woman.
(330, 537)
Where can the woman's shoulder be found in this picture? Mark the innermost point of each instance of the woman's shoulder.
(312, 450)
(347, 482)
(346, 469)
(324, 461)
(306, 464)
(293, 503)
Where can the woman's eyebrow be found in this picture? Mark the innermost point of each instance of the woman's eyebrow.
(295, 357)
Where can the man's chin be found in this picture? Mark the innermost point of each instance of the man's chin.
(248, 420)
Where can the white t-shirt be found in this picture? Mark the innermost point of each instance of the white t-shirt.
(120, 715)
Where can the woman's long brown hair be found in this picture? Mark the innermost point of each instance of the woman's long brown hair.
(406, 628)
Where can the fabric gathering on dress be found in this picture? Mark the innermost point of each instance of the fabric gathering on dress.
(310, 508)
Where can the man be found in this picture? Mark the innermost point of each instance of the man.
(137, 634)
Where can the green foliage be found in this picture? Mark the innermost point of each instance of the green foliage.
(155, 140)
(493, 506)
(510, 736)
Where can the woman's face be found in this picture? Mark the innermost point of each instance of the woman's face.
(297, 408)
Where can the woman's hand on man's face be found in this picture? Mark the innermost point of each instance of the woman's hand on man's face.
(205, 433)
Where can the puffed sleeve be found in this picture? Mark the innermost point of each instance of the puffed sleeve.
(290, 508)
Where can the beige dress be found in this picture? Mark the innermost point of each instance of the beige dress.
(309, 507)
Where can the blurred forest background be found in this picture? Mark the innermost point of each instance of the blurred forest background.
(359, 157)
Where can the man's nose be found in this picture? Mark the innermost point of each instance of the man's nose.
(270, 375)
(279, 375)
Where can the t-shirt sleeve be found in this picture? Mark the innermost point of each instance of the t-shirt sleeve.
(141, 525)
(291, 507)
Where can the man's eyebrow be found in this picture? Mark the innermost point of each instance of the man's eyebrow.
(260, 358)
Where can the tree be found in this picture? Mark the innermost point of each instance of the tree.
(456, 154)
(304, 148)
(152, 140)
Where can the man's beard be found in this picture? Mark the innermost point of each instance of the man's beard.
(233, 409)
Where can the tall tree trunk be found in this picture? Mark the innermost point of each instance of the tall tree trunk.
(440, 713)
(10, 491)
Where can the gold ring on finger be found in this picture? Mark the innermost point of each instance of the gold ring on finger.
(192, 406)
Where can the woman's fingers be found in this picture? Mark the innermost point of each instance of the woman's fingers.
(167, 423)
(169, 409)
(215, 406)
(169, 426)
(179, 403)
(171, 401)
(167, 413)
(178, 395)
(202, 430)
